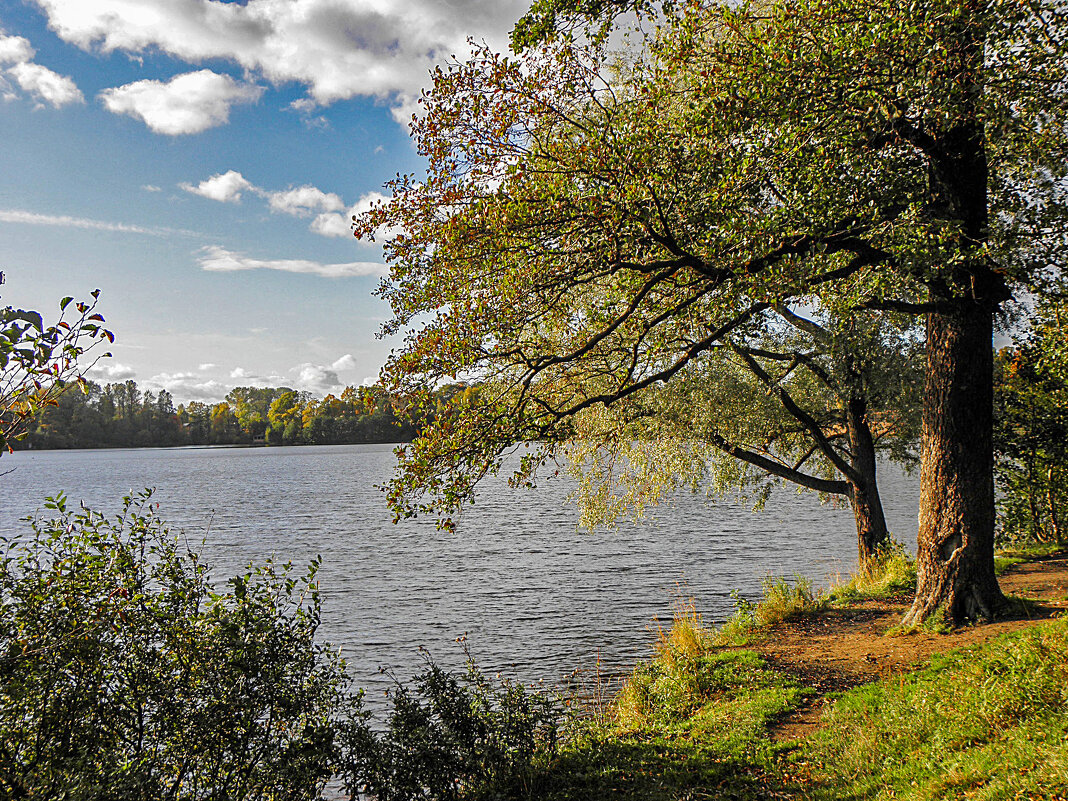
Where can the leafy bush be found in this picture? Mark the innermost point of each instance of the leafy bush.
(452, 737)
(125, 675)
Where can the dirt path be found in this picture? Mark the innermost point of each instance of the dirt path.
(843, 648)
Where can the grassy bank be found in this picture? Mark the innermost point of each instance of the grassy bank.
(988, 722)
(697, 720)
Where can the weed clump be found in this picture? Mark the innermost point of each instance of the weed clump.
(891, 572)
(783, 601)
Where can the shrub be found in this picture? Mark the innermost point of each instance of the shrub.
(452, 736)
(125, 675)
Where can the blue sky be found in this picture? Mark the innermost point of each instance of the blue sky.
(198, 162)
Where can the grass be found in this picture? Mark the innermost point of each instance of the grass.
(783, 601)
(692, 718)
(694, 722)
(987, 722)
(1018, 554)
(889, 574)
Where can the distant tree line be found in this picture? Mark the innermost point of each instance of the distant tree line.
(121, 415)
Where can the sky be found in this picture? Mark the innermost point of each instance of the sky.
(199, 161)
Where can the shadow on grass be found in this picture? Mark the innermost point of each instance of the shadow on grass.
(656, 770)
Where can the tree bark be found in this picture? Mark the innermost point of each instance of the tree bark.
(872, 534)
(955, 551)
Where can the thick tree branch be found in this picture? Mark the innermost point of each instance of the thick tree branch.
(815, 330)
(802, 417)
(782, 471)
(695, 349)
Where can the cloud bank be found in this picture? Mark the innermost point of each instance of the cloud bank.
(210, 383)
(338, 49)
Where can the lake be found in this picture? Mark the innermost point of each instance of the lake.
(536, 597)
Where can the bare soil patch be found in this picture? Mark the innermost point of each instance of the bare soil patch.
(843, 648)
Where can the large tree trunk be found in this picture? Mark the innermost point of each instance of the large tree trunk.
(955, 551)
(872, 534)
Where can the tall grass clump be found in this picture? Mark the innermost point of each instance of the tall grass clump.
(988, 722)
(691, 682)
(891, 572)
(785, 601)
(782, 602)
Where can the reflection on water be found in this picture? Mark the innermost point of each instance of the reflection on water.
(534, 595)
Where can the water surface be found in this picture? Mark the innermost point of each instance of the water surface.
(535, 596)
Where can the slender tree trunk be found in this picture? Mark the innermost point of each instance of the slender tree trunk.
(955, 552)
(1054, 513)
(1032, 501)
(872, 534)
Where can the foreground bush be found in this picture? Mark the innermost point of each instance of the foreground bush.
(458, 736)
(125, 675)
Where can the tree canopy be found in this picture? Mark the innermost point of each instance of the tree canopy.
(593, 223)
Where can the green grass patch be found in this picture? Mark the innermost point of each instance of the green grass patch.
(691, 722)
(1006, 558)
(783, 601)
(891, 573)
(987, 722)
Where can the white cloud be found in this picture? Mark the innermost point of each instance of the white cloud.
(187, 104)
(65, 221)
(339, 225)
(15, 50)
(152, 188)
(405, 107)
(206, 366)
(338, 49)
(225, 187)
(346, 362)
(332, 225)
(303, 201)
(238, 372)
(316, 378)
(40, 82)
(111, 371)
(188, 386)
(45, 85)
(216, 259)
